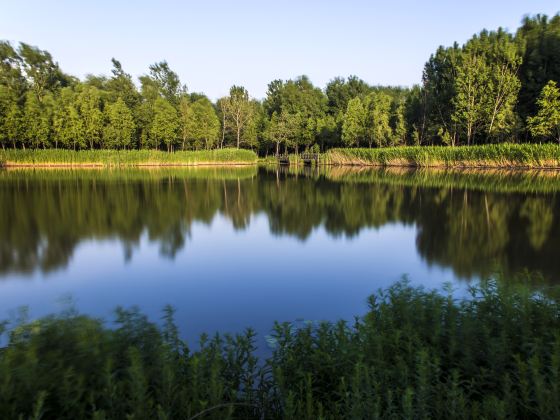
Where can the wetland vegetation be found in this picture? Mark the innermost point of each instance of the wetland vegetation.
(416, 353)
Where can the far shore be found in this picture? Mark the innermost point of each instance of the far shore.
(490, 156)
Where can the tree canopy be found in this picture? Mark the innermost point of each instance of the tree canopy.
(496, 87)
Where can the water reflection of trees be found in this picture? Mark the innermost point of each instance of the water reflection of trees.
(470, 229)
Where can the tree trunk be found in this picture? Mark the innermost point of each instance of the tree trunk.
(223, 130)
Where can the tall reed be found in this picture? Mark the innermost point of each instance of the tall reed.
(503, 155)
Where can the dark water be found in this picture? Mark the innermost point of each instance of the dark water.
(244, 247)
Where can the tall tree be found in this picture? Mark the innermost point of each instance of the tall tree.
(12, 126)
(546, 124)
(281, 129)
(240, 112)
(11, 76)
(223, 109)
(205, 124)
(340, 91)
(88, 102)
(400, 129)
(43, 73)
(37, 122)
(539, 43)
(504, 84)
(431, 106)
(165, 125)
(118, 132)
(470, 84)
(120, 85)
(377, 119)
(353, 126)
(167, 82)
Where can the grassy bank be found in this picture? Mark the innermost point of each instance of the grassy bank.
(52, 157)
(415, 354)
(485, 156)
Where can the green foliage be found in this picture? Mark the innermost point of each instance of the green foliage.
(89, 101)
(378, 112)
(201, 126)
(120, 127)
(504, 155)
(415, 354)
(165, 125)
(485, 91)
(539, 41)
(126, 157)
(486, 85)
(353, 126)
(37, 122)
(547, 121)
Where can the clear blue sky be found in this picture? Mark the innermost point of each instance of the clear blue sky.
(214, 44)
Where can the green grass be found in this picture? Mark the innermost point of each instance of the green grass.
(492, 155)
(416, 354)
(48, 157)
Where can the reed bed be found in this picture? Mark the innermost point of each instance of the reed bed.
(504, 155)
(59, 157)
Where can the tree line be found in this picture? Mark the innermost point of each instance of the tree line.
(497, 87)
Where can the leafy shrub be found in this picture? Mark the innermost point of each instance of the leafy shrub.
(415, 354)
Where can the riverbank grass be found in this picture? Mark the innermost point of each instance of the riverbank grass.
(52, 157)
(506, 155)
(415, 354)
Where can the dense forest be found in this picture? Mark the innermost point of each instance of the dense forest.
(497, 87)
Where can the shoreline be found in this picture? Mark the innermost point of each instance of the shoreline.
(510, 156)
(9, 165)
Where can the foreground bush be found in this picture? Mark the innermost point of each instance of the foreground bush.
(491, 155)
(125, 157)
(415, 354)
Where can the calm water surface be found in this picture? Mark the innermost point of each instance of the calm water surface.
(232, 248)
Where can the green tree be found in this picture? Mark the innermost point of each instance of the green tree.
(120, 85)
(281, 129)
(538, 39)
(11, 77)
(400, 129)
(165, 124)
(167, 82)
(204, 123)
(13, 128)
(340, 91)
(186, 120)
(88, 102)
(377, 119)
(547, 121)
(470, 84)
(120, 128)
(504, 84)
(37, 122)
(353, 126)
(240, 112)
(43, 72)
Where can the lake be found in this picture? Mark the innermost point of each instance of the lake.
(238, 247)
